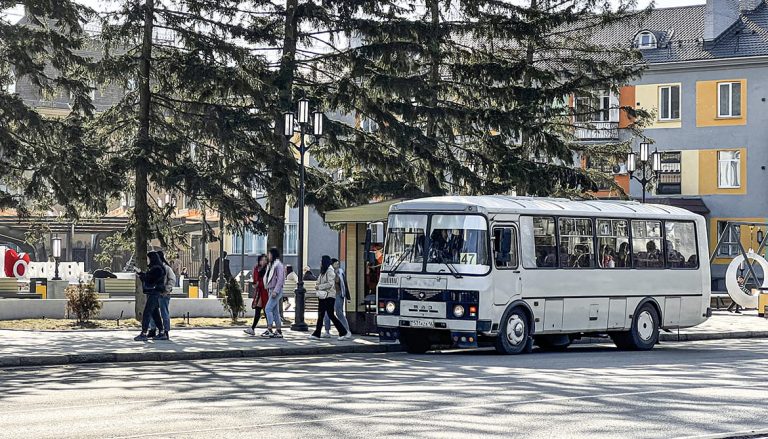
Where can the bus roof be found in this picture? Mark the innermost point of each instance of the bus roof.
(490, 204)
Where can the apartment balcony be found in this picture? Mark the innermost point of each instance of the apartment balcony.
(591, 131)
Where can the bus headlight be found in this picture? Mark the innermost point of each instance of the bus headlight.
(458, 311)
(390, 307)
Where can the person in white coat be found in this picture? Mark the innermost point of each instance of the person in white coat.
(342, 295)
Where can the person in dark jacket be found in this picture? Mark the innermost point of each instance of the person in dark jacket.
(217, 267)
(153, 282)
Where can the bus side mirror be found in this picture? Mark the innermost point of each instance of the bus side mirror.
(505, 244)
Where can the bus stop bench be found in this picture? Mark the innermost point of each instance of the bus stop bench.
(9, 285)
(5, 295)
(120, 287)
(310, 298)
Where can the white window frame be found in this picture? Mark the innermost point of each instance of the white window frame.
(652, 43)
(287, 251)
(730, 84)
(720, 183)
(669, 97)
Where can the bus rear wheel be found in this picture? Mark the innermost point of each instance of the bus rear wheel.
(644, 333)
(514, 334)
(415, 344)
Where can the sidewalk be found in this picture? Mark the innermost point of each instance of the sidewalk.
(27, 348)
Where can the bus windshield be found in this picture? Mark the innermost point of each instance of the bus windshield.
(406, 239)
(460, 241)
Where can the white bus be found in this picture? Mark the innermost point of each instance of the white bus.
(513, 271)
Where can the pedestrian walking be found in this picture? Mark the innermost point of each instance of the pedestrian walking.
(227, 273)
(153, 284)
(735, 307)
(342, 295)
(260, 293)
(275, 282)
(326, 296)
(165, 299)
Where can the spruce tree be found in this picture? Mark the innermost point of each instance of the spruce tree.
(38, 154)
(473, 96)
(188, 122)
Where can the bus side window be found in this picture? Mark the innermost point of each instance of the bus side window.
(505, 247)
(613, 243)
(646, 244)
(545, 245)
(680, 245)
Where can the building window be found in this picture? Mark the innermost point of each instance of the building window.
(729, 99)
(728, 169)
(254, 243)
(291, 239)
(594, 108)
(645, 40)
(729, 245)
(670, 178)
(669, 102)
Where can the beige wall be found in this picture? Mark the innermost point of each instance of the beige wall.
(647, 98)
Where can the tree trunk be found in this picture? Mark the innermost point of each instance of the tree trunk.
(141, 210)
(276, 233)
(432, 184)
(281, 179)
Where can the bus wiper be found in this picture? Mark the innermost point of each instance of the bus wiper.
(451, 267)
(400, 260)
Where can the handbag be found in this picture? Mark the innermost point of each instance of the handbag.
(322, 294)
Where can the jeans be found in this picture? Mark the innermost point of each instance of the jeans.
(165, 313)
(272, 310)
(325, 307)
(339, 310)
(152, 312)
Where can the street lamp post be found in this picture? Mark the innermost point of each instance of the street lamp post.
(654, 159)
(56, 256)
(290, 131)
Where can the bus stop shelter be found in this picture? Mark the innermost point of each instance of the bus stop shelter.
(354, 222)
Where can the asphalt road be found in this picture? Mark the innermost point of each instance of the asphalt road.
(689, 389)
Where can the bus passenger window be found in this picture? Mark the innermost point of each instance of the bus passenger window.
(681, 245)
(646, 244)
(613, 243)
(544, 241)
(505, 238)
(576, 243)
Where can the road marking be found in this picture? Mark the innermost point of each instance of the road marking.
(421, 412)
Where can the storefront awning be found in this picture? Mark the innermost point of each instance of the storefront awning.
(366, 213)
(695, 205)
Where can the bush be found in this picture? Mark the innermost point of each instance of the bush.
(232, 299)
(83, 302)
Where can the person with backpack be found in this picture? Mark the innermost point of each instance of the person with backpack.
(153, 284)
(342, 295)
(260, 293)
(326, 295)
(165, 298)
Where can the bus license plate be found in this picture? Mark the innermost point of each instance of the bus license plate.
(422, 323)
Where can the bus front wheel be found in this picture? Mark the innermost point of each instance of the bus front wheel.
(514, 334)
(644, 333)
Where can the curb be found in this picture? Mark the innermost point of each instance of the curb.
(673, 337)
(139, 357)
(134, 357)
